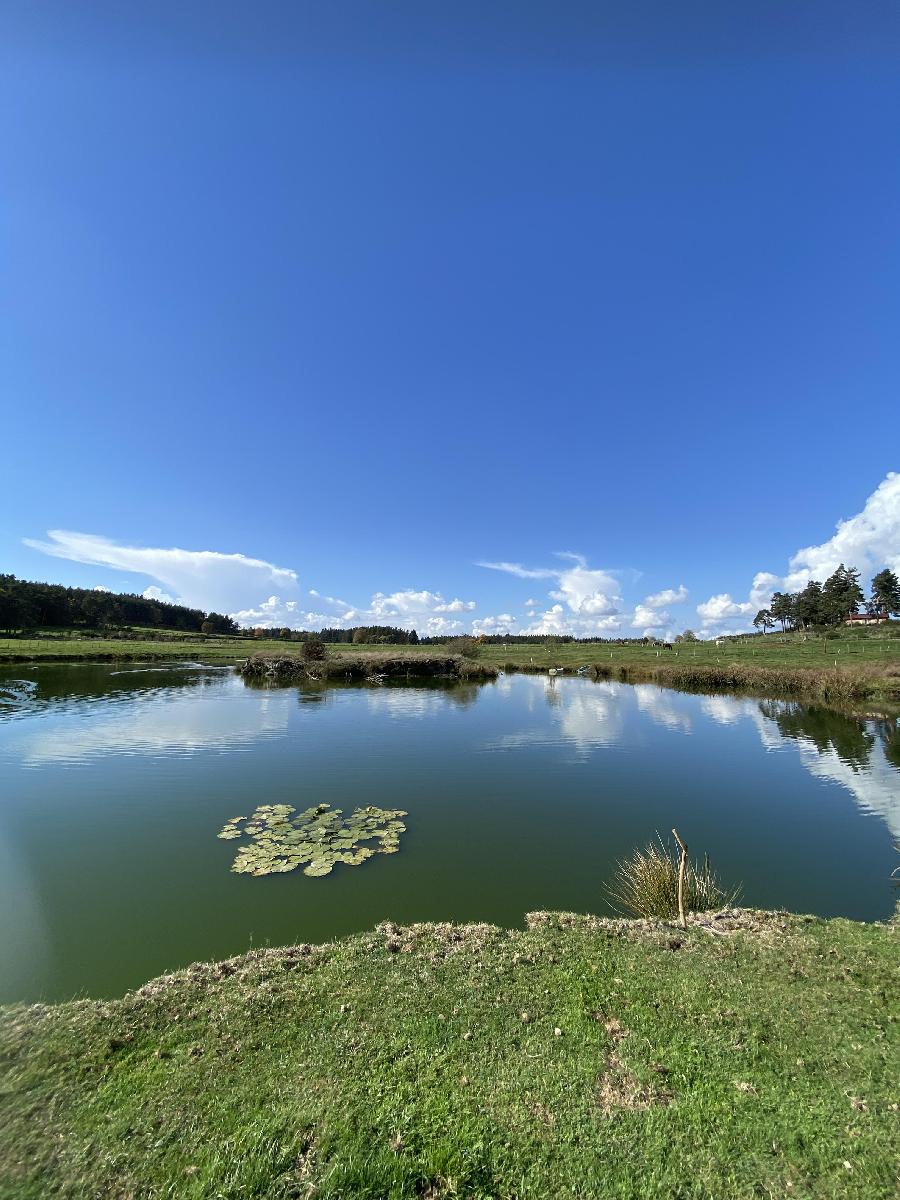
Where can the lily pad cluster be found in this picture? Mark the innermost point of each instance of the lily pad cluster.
(315, 839)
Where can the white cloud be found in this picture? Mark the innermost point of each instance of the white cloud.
(764, 584)
(719, 608)
(502, 623)
(252, 591)
(400, 604)
(719, 612)
(591, 596)
(557, 622)
(273, 613)
(583, 593)
(436, 626)
(199, 578)
(667, 596)
(868, 541)
(587, 592)
(456, 606)
(156, 593)
(607, 625)
(649, 619)
(406, 609)
(519, 571)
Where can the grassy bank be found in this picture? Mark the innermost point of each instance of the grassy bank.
(848, 669)
(840, 685)
(753, 1055)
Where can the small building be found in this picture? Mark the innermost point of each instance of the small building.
(866, 619)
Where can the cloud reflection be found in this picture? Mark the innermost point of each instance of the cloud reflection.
(860, 755)
(174, 721)
(850, 751)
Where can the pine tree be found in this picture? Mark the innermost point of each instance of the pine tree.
(782, 608)
(841, 594)
(886, 592)
(763, 620)
(808, 606)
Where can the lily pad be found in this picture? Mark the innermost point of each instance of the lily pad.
(316, 839)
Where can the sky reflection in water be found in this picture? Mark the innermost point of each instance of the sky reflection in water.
(521, 795)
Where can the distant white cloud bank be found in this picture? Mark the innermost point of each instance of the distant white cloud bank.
(203, 579)
(582, 600)
(868, 541)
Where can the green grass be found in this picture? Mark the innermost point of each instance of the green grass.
(787, 653)
(753, 1056)
(168, 646)
(849, 668)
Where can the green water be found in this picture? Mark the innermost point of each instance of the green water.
(114, 782)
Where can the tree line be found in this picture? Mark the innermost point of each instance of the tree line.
(27, 606)
(831, 602)
(546, 639)
(357, 635)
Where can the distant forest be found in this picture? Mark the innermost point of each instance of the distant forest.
(27, 606)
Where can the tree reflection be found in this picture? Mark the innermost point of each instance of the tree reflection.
(826, 728)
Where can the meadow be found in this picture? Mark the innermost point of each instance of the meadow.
(774, 651)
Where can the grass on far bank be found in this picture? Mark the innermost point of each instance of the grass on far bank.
(771, 651)
(845, 668)
(753, 1055)
(169, 647)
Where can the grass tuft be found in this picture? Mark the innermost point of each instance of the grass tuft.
(646, 884)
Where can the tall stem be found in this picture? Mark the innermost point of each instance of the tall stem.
(682, 867)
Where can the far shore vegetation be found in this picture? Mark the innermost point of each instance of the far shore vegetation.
(824, 658)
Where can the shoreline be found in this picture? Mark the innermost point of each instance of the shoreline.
(841, 684)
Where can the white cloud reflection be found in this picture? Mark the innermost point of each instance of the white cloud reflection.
(172, 721)
(874, 784)
(589, 715)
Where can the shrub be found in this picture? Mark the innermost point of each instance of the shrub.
(646, 884)
(313, 650)
(468, 647)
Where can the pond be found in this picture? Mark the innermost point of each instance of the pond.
(115, 782)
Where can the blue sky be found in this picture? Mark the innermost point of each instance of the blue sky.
(369, 294)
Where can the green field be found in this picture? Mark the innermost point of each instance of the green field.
(773, 651)
(752, 1056)
(168, 645)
